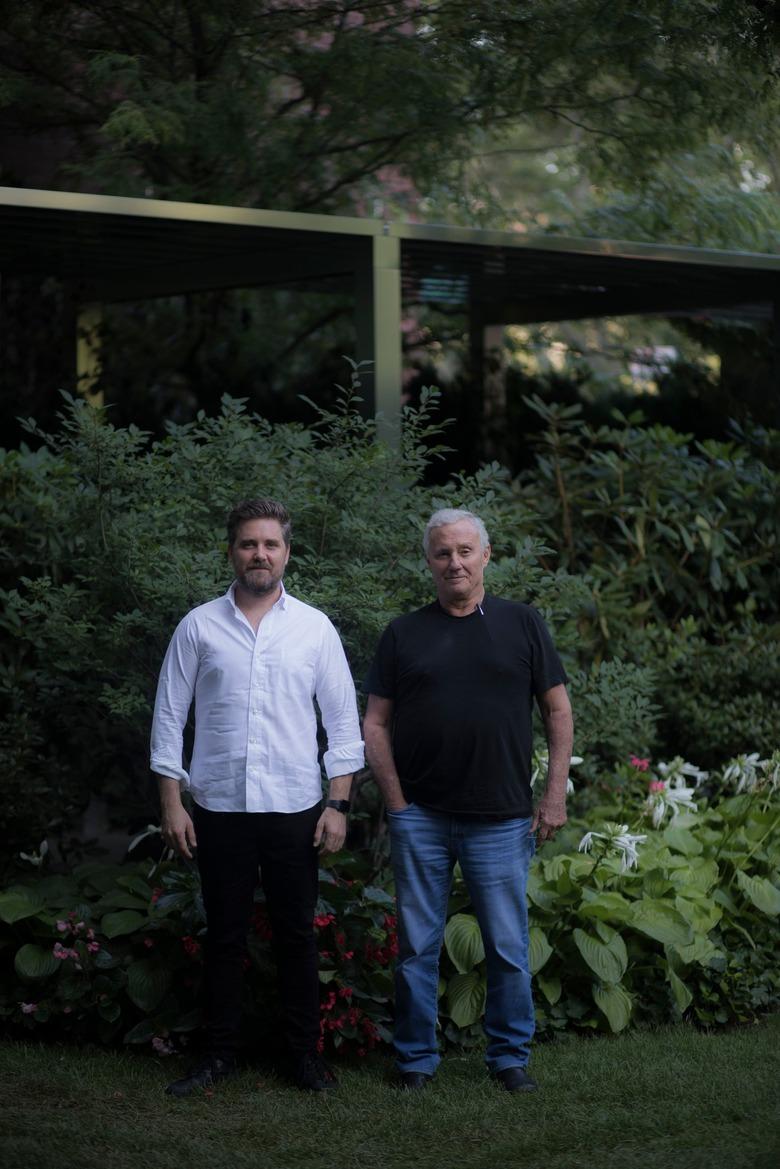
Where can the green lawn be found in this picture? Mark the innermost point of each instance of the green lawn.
(652, 1100)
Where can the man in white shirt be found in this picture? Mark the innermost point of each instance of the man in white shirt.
(254, 661)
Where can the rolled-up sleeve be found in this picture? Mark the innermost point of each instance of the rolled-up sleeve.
(335, 694)
(175, 690)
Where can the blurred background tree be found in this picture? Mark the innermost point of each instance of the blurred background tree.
(645, 122)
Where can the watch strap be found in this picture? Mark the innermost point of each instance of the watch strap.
(338, 805)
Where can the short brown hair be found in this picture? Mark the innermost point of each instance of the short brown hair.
(258, 509)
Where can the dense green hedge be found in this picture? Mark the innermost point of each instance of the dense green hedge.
(653, 559)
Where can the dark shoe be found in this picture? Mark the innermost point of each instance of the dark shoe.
(204, 1075)
(313, 1075)
(414, 1081)
(516, 1080)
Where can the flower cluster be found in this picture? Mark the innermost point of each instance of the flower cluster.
(753, 774)
(343, 1020)
(617, 839)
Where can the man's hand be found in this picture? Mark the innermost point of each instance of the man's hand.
(331, 831)
(177, 830)
(548, 818)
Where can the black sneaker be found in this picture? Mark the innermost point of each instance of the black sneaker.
(204, 1074)
(516, 1079)
(312, 1074)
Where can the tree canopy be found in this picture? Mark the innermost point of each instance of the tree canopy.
(305, 105)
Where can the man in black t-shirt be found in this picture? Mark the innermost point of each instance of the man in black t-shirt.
(448, 738)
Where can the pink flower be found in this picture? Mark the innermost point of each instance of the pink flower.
(639, 764)
(28, 1008)
(90, 934)
(657, 785)
(93, 947)
(62, 926)
(67, 1010)
(148, 942)
(59, 951)
(162, 1046)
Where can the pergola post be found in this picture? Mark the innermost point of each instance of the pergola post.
(378, 328)
(88, 358)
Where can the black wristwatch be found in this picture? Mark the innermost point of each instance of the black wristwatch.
(339, 805)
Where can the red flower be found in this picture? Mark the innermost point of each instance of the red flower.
(191, 947)
(323, 920)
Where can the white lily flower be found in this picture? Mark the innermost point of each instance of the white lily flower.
(663, 797)
(618, 839)
(627, 843)
(539, 765)
(743, 769)
(771, 770)
(676, 771)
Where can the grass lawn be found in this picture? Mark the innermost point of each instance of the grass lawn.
(670, 1098)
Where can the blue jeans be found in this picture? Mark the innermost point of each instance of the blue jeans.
(494, 857)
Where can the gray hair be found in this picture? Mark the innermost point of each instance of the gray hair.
(451, 515)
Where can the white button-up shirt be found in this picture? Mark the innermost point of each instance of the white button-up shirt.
(255, 721)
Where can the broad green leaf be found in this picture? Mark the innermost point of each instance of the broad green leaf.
(655, 883)
(57, 891)
(701, 913)
(607, 906)
(466, 998)
(121, 899)
(700, 950)
(147, 983)
(143, 1032)
(542, 893)
(33, 961)
(378, 896)
(464, 942)
(125, 921)
(615, 1003)
(539, 949)
(604, 961)
(327, 975)
(550, 987)
(660, 920)
(682, 995)
(18, 903)
(761, 892)
(682, 840)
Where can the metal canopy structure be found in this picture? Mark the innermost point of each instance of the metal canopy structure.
(111, 249)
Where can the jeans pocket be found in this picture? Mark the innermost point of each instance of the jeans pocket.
(402, 811)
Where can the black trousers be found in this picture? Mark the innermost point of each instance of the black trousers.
(231, 847)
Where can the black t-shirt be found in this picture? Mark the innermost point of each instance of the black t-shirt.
(463, 689)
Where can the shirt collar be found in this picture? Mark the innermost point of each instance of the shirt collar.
(281, 603)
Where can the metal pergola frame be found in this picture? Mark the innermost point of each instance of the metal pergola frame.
(111, 249)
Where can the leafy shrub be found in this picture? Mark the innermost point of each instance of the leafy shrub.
(677, 917)
(114, 953)
(650, 924)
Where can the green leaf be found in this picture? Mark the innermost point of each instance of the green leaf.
(143, 1032)
(378, 896)
(615, 1003)
(466, 998)
(464, 942)
(147, 983)
(607, 906)
(682, 995)
(550, 987)
(701, 913)
(761, 892)
(33, 962)
(539, 949)
(126, 921)
(18, 903)
(700, 950)
(608, 962)
(542, 893)
(121, 899)
(682, 840)
(661, 921)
